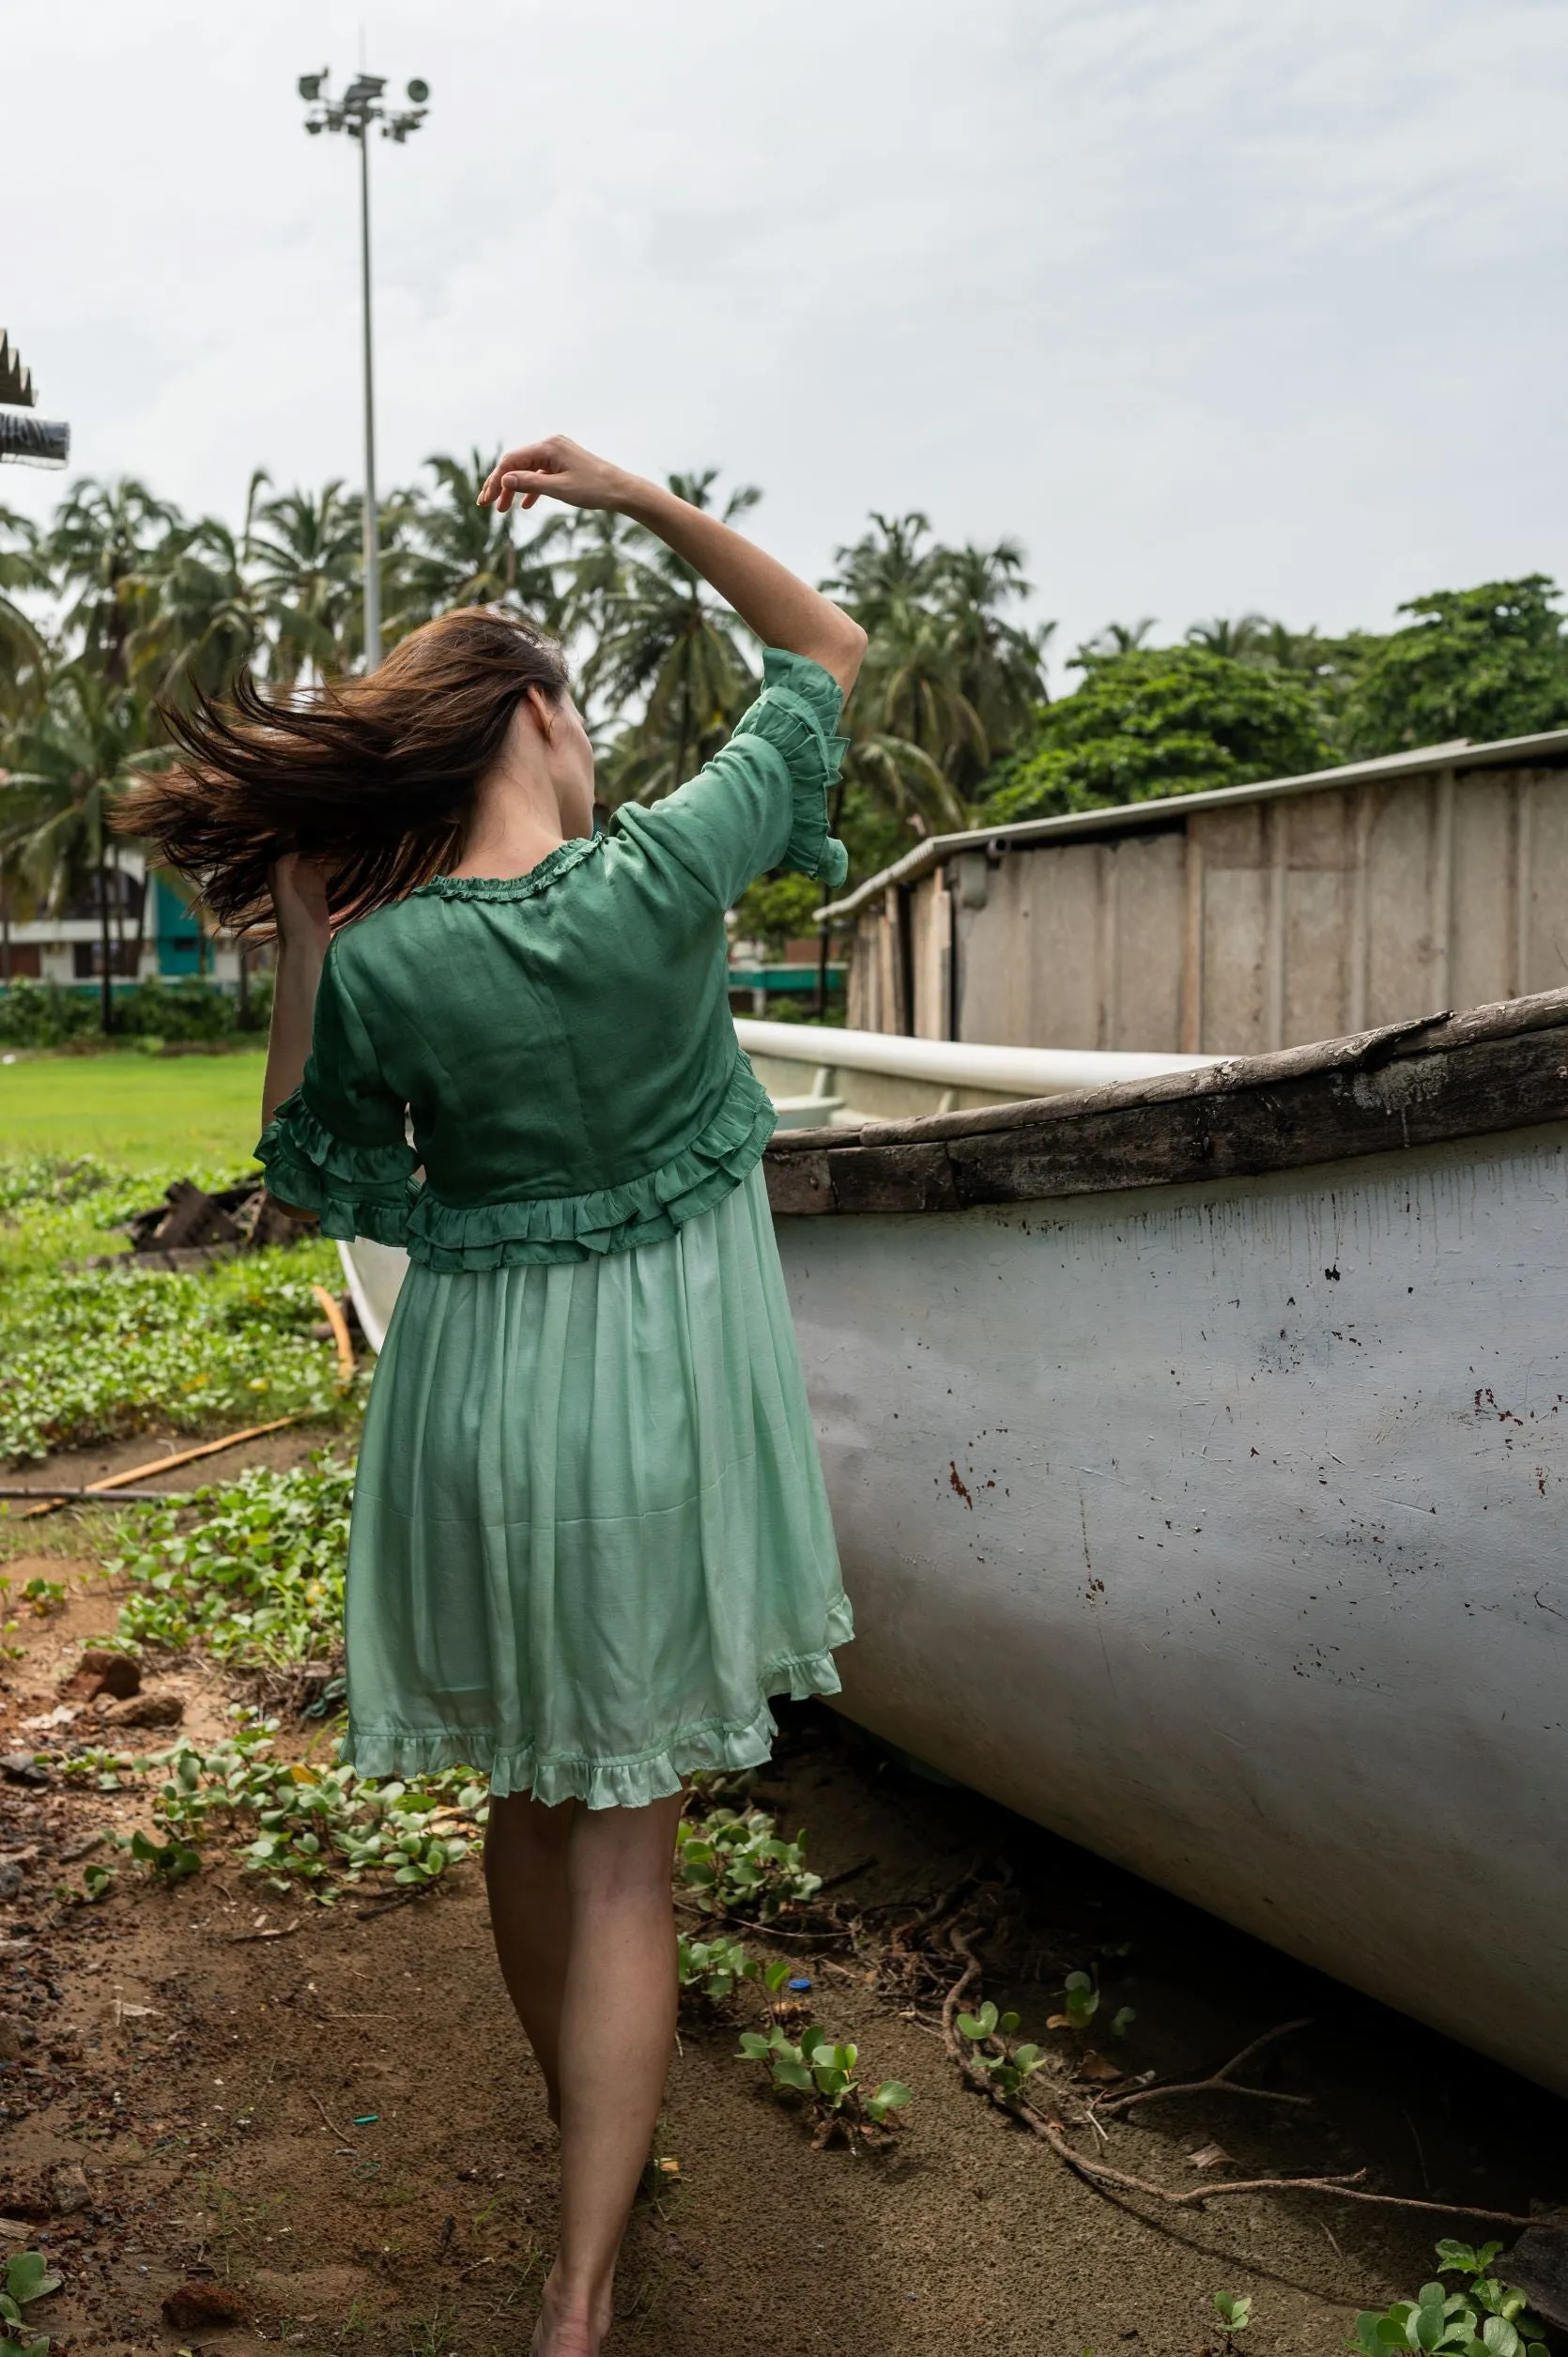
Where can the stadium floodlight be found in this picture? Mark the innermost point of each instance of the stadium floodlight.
(354, 112)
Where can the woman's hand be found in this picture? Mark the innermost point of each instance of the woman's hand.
(559, 467)
(299, 902)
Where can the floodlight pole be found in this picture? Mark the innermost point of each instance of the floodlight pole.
(355, 111)
(372, 519)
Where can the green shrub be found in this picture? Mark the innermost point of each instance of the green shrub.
(53, 1015)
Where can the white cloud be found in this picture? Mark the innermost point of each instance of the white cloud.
(1214, 307)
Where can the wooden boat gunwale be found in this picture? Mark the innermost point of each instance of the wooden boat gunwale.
(1418, 1083)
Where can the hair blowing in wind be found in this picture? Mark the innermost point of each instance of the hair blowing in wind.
(371, 778)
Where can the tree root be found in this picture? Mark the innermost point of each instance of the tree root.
(1049, 2130)
(1219, 2083)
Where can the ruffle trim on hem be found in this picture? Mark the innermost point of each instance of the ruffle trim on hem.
(356, 1189)
(449, 1238)
(618, 1783)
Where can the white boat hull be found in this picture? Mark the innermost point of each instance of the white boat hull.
(1222, 1523)
(1223, 1529)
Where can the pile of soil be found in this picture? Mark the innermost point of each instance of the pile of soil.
(241, 2122)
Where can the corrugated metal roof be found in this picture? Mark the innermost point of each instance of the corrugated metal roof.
(1504, 752)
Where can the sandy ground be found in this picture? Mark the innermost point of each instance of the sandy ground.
(340, 2127)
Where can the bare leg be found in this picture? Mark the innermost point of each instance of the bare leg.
(616, 2028)
(525, 1873)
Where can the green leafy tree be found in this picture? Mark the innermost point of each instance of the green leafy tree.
(1478, 663)
(71, 763)
(1247, 637)
(103, 537)
(201, 613)
(665, 643)
(305, 549)
(948, 679)
(1156, 721)
(462, 554)
(23, 651)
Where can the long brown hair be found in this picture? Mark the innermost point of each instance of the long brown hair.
(372, 776)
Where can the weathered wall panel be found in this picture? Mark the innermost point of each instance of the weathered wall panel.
(1546, 884)
(1250, 927)
(1150, 882)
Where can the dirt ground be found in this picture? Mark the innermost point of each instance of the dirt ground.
(332, 2114)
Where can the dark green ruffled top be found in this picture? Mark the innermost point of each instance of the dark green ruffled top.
(558, 1046)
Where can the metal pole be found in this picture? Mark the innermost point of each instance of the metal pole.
(372, 524)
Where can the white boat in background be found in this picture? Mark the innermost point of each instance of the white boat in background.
(810, 1071)
(1197, 1450)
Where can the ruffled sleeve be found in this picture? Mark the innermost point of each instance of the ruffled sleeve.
(338, 1145)
(761, 802)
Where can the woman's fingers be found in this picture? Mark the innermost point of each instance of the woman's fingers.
(533, 457)
(558, 468)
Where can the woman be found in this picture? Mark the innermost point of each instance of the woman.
(590, 1535)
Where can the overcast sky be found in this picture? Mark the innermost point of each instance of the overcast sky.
(1213, 305)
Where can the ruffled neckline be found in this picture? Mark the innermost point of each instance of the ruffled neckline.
(549, 870)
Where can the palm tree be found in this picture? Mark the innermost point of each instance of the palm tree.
(23, 655)
(202, 616)
(462, 554)
(1117, 638)
(999, 665)
(102, 536)
(663, 640)
(71, 763)
(947, 681)
(1250, 636)
(887, 569)
(305, 550)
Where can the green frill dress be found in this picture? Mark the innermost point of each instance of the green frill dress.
(590, 1536)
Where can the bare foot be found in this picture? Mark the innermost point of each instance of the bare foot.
(567, 2332)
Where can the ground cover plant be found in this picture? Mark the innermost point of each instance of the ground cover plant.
(95, 1353)
(311, 1830)
(256, 1578)
(25, 2277)
(1486, 2318)
(735, 1861)
(819, 2075)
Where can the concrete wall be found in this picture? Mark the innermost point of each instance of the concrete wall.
(1235, 931)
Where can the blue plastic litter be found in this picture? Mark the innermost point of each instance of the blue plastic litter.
(800, 1984)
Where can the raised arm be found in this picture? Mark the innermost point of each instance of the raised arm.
(770, 599)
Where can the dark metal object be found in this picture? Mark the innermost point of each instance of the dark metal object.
(34, 441)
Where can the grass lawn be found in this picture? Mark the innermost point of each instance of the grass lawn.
(164, 1112)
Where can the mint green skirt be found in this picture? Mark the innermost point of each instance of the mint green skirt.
(590, 1536)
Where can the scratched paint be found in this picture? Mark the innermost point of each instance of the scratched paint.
(1222, 1529)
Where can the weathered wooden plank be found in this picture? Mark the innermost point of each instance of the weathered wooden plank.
(1329, 1118)
(799, 1183)
(1167, 1134)
(892, 1178)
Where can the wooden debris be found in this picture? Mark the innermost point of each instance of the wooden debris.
(181, 1457)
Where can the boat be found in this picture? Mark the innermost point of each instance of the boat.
(1198, 1449)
